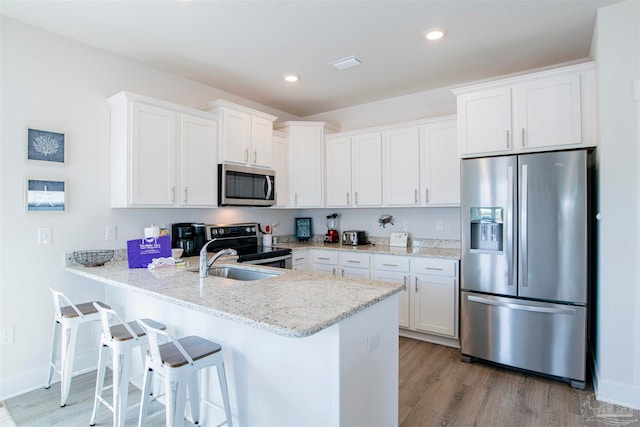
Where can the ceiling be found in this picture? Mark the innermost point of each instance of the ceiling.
(246, 47)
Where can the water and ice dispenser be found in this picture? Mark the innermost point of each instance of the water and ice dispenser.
(487, 224)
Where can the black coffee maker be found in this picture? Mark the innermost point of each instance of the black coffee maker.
(188, 236)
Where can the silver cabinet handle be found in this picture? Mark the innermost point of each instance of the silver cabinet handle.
(173, 194)
(323, 258)
(348, 201)
(523, 137)
(426, 195)
(390, 265)
(246, 155)
(433, 268)
(353, 261)
(416, 285)
(415, 196)
(342, 272)
(298, 259)
(185, 195)
(523, 307)
(508, 138)
(255, 156)
(523, 227)
(404, 281)
(334, 271)
(356, 197)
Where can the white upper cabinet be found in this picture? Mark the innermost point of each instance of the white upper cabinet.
(306, 166)
(281, 166)
(246, 135)
(548, 110)
(162, 154)
(338, 161)
(366, 169)
(354, 170)
(198, 153)
(440, 165)
(484, 120)
(401, 171)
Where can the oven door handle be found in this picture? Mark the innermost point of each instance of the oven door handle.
(268, 260)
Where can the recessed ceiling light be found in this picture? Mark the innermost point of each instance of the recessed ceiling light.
(292, 78)
(345, 63)
(435, 34)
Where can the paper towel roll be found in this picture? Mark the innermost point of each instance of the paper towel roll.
(153, 231)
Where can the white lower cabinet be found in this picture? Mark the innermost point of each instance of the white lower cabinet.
(355, 265)
(435, 286)
(325, 261)
(395, 269)
(300, 260)
(429, 302)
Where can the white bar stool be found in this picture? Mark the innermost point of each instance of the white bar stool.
(178, 363)
(121, 338)
(68, 317)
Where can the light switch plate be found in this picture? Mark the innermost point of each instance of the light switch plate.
(399, 239)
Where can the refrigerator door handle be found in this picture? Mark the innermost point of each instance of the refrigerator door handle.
(522, 307)
(524, 207)
(510, 231)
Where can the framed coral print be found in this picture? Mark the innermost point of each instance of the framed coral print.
(44, 196)
(45, 146)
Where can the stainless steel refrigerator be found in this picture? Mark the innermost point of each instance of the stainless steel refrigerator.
(526, 253)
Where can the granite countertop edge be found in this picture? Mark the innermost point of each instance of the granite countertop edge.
(117, 273)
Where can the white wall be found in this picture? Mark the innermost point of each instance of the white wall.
(617, 51)
(54, 84)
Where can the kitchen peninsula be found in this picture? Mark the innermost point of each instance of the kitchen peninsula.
(300, 349)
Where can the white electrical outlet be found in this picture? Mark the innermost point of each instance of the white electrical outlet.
(405, 225)
(44, 235)
(373, 342)
(6, 335)
(440, 225)
(112, 232)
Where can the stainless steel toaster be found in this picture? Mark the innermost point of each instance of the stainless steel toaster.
(354, 237)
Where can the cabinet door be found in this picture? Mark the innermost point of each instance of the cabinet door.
(307, 150)
(404, 300)
(547, 112)
(236, 134)
(440, 165)
(484, 121)
(153, 156)
(299, 261)
(434, 304)
(281, 166)
(401, 166)
(261, 142)
(338, 173)
(366, 169)
(198, 161)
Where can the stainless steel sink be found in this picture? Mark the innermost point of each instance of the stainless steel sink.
(236, 273)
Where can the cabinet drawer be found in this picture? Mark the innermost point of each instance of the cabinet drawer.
(391, 263)
(325, 258)
(435, 267)
(355, 260)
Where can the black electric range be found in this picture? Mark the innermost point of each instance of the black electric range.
(244, 239)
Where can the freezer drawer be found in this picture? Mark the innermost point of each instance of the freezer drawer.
(540, 337)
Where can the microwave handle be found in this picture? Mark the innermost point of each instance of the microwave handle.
(269, 187)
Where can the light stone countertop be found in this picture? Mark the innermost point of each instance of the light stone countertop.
(294, 304)
(421, 251)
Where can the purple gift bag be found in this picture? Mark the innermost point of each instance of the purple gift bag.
(140, 252)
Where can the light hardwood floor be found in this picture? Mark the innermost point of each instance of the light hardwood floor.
(436, 389)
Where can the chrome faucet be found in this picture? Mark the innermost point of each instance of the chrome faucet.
(204, 265)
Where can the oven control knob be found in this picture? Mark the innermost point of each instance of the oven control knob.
(214, 231)
(221, 231)
(253, 229)
(248, 229)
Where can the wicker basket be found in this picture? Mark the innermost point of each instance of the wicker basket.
(93, 258)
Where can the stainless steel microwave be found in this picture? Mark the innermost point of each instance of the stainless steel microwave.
(245, 186)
